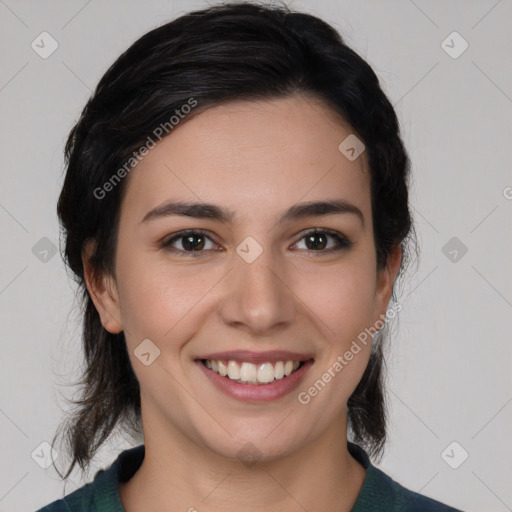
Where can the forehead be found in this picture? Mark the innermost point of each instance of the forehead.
(255, 157)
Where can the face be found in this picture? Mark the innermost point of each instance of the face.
(253, 288)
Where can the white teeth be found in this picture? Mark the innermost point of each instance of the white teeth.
(266, 373)
(279, 370)
(223, 369)
(233, 371)
(250, 373)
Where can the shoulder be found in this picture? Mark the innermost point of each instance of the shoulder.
(102, 494)
(381, 492)
(403, 499)
(80, 500)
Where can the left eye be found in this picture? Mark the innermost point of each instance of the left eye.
(317, 241)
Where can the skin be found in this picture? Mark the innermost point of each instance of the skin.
(257, 159)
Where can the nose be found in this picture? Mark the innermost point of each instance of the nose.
(259, 296)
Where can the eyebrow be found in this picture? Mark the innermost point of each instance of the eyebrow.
(215, 212)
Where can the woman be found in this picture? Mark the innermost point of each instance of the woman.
(235, 210)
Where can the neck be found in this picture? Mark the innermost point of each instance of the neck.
(177, 474)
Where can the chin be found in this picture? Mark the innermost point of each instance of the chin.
(250, 445)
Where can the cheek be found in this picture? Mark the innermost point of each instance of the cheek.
(341, 296)
(158, 299)
(343, 300)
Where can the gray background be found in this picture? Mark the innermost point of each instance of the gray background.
(449, 363)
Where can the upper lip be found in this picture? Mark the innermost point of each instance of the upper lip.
(249, 356)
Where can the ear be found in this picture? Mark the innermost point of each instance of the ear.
(103, 292)
(385, 280)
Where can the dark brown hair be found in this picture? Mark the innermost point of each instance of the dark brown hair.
(227, 52)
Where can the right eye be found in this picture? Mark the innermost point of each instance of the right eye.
(192, 242)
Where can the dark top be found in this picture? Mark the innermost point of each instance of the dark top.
(378, 493)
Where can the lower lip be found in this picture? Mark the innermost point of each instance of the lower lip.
(257, 392)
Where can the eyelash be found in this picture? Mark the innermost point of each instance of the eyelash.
(341, 241)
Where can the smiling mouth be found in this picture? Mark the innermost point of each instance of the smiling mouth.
(243, 372)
